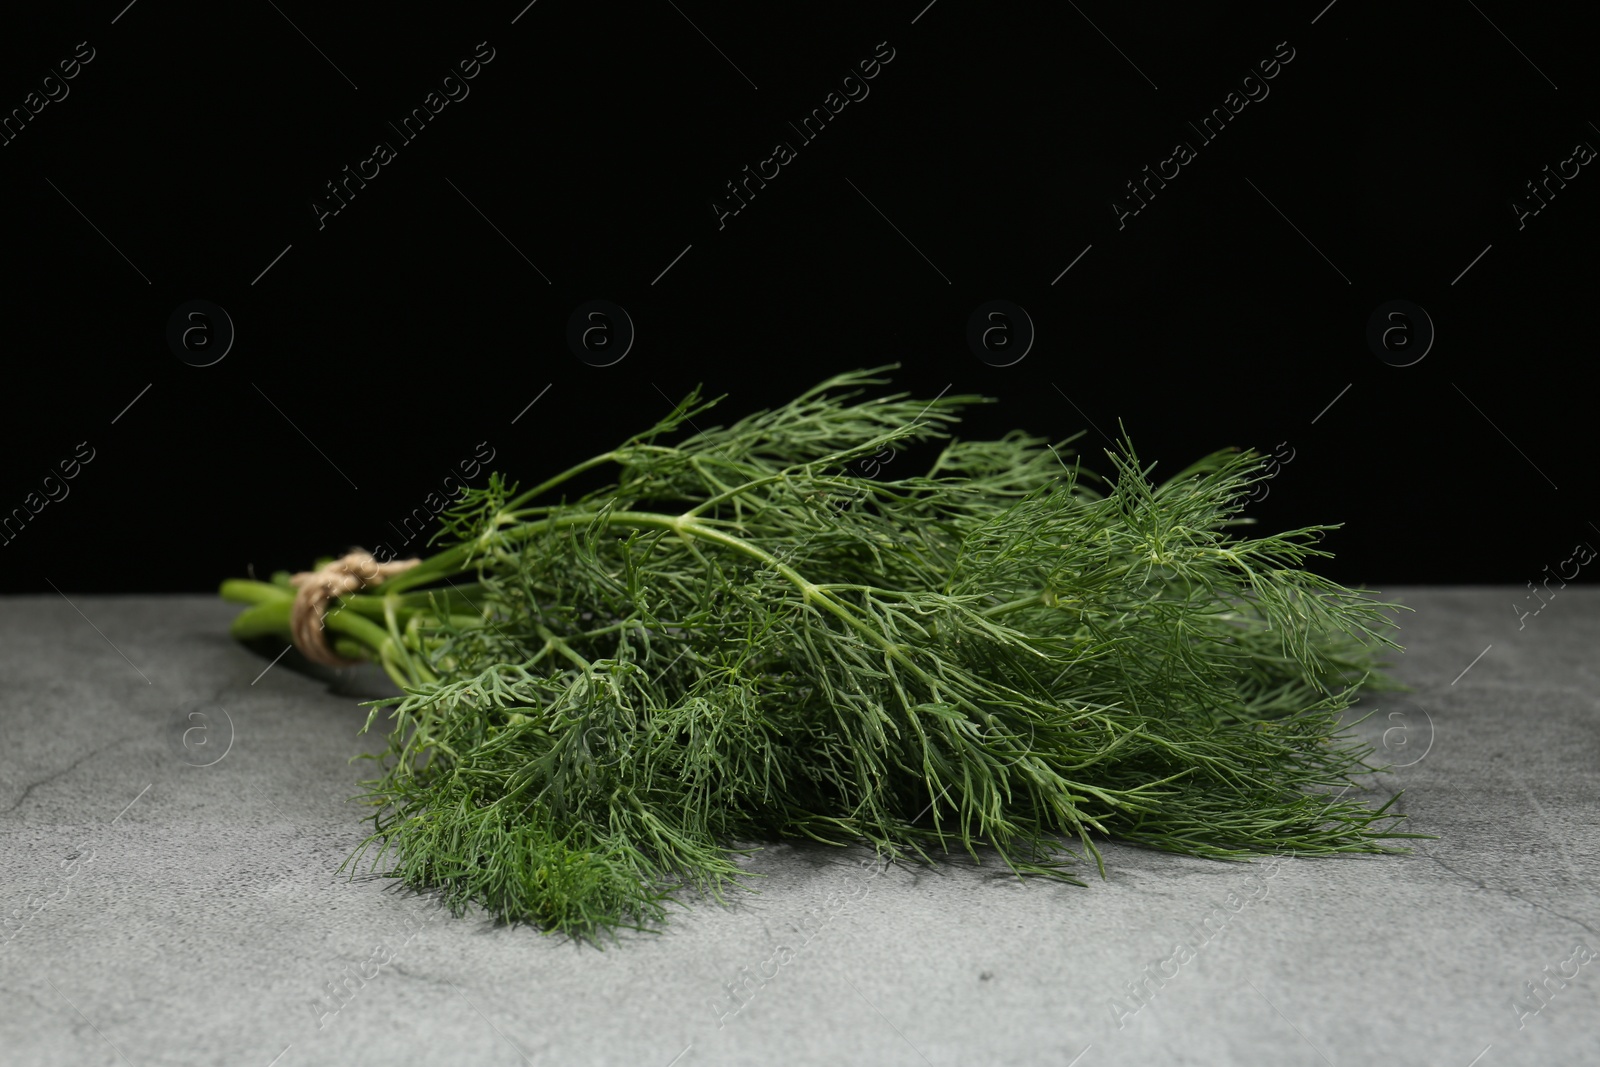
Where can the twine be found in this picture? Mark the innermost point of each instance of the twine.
(354, 571)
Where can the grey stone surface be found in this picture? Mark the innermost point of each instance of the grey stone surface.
(202, 915)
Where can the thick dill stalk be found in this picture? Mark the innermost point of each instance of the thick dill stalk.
(743, 637)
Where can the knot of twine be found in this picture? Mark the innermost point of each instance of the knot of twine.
(313, 589)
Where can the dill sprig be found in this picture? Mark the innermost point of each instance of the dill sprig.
(743, 636)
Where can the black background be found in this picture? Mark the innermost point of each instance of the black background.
(381, 348)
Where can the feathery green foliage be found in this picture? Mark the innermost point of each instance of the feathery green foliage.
(757, 633)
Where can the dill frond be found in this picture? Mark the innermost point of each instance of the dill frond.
(743, 636)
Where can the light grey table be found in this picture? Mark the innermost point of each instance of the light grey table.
(159, 910)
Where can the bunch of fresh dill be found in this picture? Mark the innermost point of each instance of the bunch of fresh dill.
(745, 637)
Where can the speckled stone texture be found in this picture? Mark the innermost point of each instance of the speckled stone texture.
(172, 821)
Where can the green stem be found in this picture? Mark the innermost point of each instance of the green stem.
(271, 618)
(553, 641)
(266, 619)
(685, 526)
(551, 483)
(1045, 598)
(245, 591)
(828, 461)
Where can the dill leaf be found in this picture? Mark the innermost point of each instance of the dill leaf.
(746, 635)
